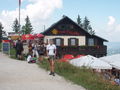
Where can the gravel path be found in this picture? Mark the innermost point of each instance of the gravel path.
(19, 75)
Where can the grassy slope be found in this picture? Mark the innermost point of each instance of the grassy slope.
(12, 53)
(84, 77)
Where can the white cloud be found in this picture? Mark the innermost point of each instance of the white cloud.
(113, 30)
(22, 0)
(111, 20)
(39, 12)
(110, 30)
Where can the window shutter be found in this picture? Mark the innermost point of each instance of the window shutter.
(77, 42)
(54, 40)
(62, 42)
(69, 42)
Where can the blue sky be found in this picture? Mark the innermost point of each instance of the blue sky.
(96, 10)
(103, 14)
(93, 9)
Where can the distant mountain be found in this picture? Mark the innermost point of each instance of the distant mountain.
(113, 48)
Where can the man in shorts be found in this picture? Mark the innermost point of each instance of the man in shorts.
(51, 53)
(41, 50)
(19, 49)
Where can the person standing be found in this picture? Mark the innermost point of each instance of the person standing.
(34, 49)
(51, 53)
(19, 49)
(30, 47)
(41, 51)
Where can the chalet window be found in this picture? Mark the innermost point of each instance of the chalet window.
(90, 42)
(73, 42)
(71, 27)
(62, 27)
(59, 41)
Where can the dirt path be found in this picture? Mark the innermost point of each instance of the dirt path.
(19, 75)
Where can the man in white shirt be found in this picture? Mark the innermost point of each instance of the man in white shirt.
(51, 53)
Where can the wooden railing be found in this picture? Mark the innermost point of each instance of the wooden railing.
(97, 51)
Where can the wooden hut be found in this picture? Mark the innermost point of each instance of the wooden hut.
(70, 38)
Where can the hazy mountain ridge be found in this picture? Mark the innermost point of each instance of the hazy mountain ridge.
(113, 48)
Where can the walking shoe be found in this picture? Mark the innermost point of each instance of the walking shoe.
(50, 73)
(53, 74)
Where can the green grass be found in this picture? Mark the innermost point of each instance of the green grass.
(12, 53)
(83, 77)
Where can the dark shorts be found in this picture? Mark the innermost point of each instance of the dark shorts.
(51, 57)
(19, 52)
(40, 53)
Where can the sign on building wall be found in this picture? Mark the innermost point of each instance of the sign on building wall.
(65, 32)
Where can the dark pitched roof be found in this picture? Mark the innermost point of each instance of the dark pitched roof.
(65, 17)
(100, 38)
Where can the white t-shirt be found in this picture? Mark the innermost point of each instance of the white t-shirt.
(51, 49)
(28, 58)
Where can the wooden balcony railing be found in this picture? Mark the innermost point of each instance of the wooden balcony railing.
(97, 51)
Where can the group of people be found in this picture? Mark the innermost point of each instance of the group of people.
(35, 51)
(113, 76)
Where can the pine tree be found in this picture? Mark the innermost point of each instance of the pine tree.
(86, 23)
(16, 26)
(86, 26)
(27, 28)
(79, 22)
(23, 29)
(91, 31)
(1, 30)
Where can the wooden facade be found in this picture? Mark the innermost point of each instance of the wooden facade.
(70, 38)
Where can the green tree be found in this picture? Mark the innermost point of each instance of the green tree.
(79, 21)
(27, 28)
(16, 26)
(87, 27)
(91, 31)
(23, 29)
(1, 30)
(86, 23)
